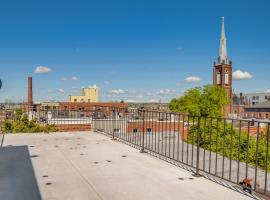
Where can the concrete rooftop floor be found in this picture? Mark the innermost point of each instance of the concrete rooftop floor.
(87, 165)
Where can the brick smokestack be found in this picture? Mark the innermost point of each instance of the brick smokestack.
(30, 91)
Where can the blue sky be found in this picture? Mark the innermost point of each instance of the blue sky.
(139, 50)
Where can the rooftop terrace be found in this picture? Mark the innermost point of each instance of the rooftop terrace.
(89, 165)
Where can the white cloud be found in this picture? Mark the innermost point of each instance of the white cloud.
(61, 90)
(268, 91)
(63, 79)
(179, 48)
(164, 91)
(139, 96)
(73, 78)
(42, 69)
(163, 95)
(241, 75)
(192, 79)
(152, 101)
(117, 91)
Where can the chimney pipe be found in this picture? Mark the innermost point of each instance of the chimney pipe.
(30, 92)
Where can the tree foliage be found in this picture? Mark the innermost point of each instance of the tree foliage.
(219, 135)
(21, 124)
(201, 101)
(204, 107)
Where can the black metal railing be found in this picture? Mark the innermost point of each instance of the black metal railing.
(234, 150)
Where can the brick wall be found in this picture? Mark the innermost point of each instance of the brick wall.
(157, 127)
(73, 127)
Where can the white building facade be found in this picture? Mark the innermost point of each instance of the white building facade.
(256, 98)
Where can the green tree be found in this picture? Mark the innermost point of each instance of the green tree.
(201, 101)
(218, 135)
(21, 124)
(204, 106)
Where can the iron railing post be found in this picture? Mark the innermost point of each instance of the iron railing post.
(47, 116)
(114, 121)
(198, 149)
(94, 123)
(143, 131)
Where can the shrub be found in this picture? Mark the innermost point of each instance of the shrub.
(22, 124)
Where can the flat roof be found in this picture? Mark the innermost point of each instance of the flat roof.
(88, 165)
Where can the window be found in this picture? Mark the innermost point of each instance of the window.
(266, 115)
(226, 78)
(149, 130)
(253, 97)
(257, 97)
(75, 100)
(135, 130)
(82, 100)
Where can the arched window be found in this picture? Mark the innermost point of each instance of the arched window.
(226, 77)
(219, 77)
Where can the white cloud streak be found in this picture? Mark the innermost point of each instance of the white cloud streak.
(117, 91)
(42, 70)
(61, 90)
(165, 91)
(192, 79)
(73, 78)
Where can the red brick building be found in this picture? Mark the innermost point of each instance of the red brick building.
(91, 106)
(259, 111)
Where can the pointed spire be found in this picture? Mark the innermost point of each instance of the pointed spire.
(223, 57)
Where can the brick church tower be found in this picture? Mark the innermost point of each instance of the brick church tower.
(222, 72)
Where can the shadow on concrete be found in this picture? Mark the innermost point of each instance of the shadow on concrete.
(17, 176)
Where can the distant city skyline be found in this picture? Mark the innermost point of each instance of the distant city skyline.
(145, 51)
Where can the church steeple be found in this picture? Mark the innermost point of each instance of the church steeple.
(222, 72)
(223, 57)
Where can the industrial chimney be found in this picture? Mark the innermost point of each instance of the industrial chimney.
(30, 92)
